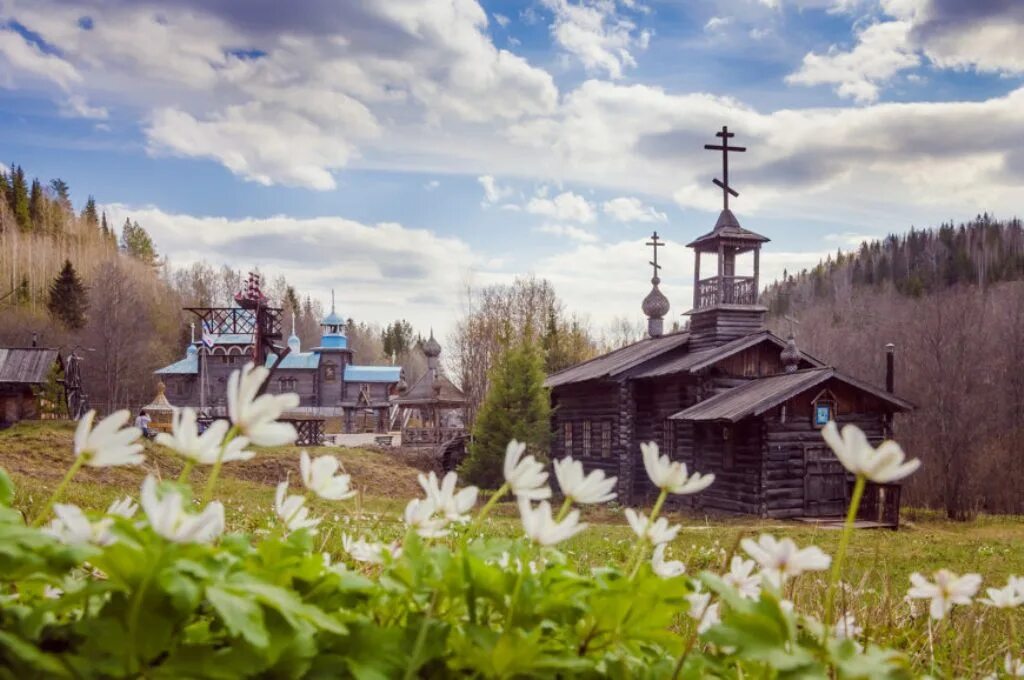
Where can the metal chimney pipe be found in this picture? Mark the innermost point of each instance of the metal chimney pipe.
(890, 368)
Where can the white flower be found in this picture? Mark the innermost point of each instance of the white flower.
(741, 577)
(256, 416)
(948, 590)
(701, 610)
(505, 560)
(665, 569)
(1014, 667)
(672, 475)
(882, 465)
(124, 507)
(443, 498)
(846, 628)
(580, 487)
(292, 510)
(657, 533)
(781, 560)
(169, 518)
(73, 528)
(419, 514)
(362, 550)
(52, 593)
(108, 444)
(525, 476)
(1006, 597)
(318, 476)
(540, 527)
(204, 448)
(1017, 583)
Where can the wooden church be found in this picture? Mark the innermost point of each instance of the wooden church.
(726, 396)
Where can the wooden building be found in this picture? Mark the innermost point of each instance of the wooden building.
(331, 388)
(726, 396)
(433, 410)
(23, 371)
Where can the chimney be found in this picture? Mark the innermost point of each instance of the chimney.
(890, 368)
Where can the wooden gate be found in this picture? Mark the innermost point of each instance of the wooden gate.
(825, 485)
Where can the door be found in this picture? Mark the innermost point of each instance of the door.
(824, 483)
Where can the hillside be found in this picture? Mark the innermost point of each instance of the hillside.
(952, 301)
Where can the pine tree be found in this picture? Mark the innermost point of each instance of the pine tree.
(61, 193)
(18, 199)
(68, 300)
(135, 241)
(89, 214)
(37, 206)
(104, 227)
(516, 407)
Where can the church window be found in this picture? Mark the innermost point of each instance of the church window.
(606, 439)
(567, 438)
(586, 437)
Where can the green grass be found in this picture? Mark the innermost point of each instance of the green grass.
(971, 643)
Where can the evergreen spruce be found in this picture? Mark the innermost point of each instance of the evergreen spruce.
(68, 299)
(89, 214)
(18, 199)
(37, 206)
(135, 241)
(516, 407)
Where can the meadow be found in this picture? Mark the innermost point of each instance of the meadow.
(971, 642)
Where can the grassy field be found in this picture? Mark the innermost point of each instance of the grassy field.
(972, 642)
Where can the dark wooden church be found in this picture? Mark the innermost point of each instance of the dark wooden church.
(726, 396)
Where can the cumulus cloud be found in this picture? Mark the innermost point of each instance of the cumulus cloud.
(493, 192)
(565, 206)
(716, 24)
(568, 231)
(597, 35)
(630, 209)
(27, 59)
(77, 107)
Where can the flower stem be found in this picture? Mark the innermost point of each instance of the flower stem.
(421, 639)
(633, 566)
(186, 471)
(484, 511)
(564, 510)
(136, 610)
(844, 541)
(211, 483)
(79, 461)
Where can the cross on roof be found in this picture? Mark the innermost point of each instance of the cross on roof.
(725, 149)
(792, 320)
(655, 244)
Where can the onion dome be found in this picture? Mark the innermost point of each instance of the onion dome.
(655, 305)
(191, 351)
(432, 348)
(790, 355)
(294, 344)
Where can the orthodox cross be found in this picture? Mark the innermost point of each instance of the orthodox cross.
(655, 244)
(791, 320)
(725, 149)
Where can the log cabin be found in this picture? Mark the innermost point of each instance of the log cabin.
(726, 396)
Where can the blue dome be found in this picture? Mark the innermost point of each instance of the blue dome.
(191, 351)
(330, 341)
(332, 319)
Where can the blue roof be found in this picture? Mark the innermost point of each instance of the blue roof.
(187, 366)
(384, 374)
(332, 319)
(333, 342)
(296, 360)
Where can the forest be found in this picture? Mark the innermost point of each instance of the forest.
(951, 299)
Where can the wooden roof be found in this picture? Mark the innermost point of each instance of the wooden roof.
(29, 365)
(727, 228)
(422, 393)
(695, 361)
(757, 396)
(617, 362)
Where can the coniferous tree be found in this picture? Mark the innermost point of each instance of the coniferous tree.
(18, 199)
(516, 407)
(68, 299)
(37, 206)
(89, 214)
(135, 241)
(104, 227)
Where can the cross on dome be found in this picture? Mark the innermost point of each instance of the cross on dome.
(655, 244)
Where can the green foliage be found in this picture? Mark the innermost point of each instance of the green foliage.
(516, 406)
(135, 241)
(68, 299)
(397, 338)
(18, 199)
(89, 213)
(51, 393)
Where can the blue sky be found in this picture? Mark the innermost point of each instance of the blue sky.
(403, 151)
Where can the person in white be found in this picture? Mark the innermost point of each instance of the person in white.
(142, 422)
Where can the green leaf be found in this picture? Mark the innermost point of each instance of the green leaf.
(6, 489)
(13, 648)
(241, 615)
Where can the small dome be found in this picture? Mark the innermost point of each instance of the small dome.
(790, 355)
(294, 344)
(333, 319)
(191, 351)
(432, 348)
(655, 305)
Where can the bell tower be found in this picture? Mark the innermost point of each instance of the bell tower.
(725, 304)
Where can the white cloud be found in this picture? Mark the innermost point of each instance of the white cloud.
(716, 24)
(77, 107)
(493, 192)
(375, 268)
(883, 50)
(502, 20)
(596, 34)
(22, 57)
(432, 184)
(630, 209)
(566, 206)
(568, 231)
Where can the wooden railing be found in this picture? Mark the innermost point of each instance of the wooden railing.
(422, 436)
(728, 290)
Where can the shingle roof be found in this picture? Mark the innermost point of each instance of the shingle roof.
(728, 227)
(26, 364)
(380, 374)
(695, 361)
(619, 361)
(757, 396)
(422, 392)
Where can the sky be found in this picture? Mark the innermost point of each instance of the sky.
(401, 152)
